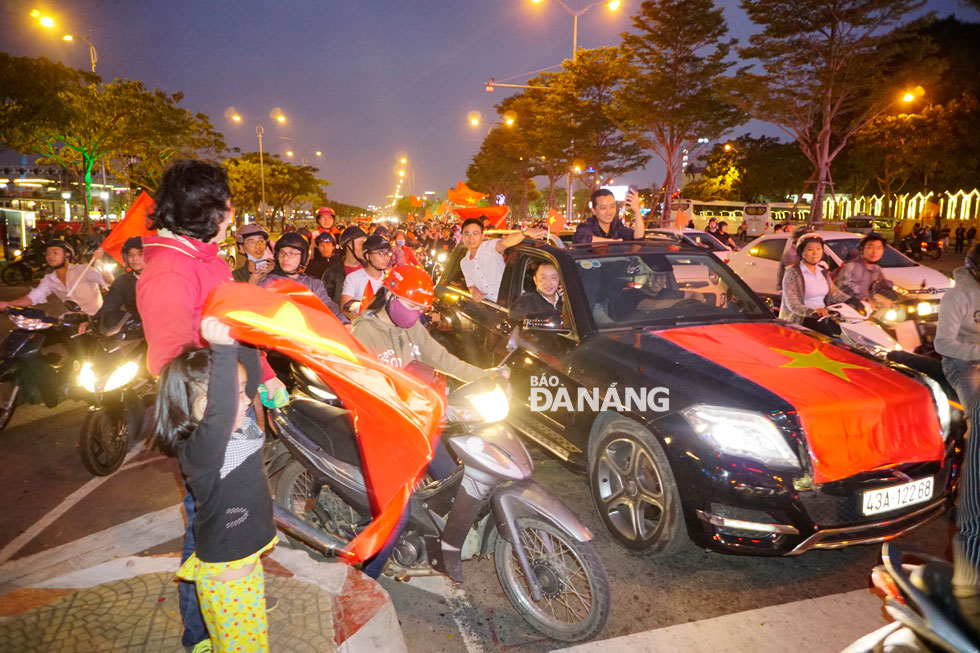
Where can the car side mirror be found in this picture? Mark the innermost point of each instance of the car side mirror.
(550, 321)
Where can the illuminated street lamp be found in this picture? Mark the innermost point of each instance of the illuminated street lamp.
(277, 115)
(612, 5)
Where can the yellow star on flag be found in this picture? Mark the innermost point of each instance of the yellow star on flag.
(816, 359)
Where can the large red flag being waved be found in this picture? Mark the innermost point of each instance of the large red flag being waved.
(395, 415)
(497, 214)
(134, 224)
(463, 195)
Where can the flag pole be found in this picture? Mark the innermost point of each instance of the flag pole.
(75, 285)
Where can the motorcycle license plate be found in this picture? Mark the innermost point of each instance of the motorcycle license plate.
(891, 498)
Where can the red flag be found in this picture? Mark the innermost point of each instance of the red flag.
(464, 195)
(556, 220)
(395, 415)
(497, 214)
(857, 415)
(417, 201)
(134, 224)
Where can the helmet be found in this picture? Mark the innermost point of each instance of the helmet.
(305, 233)
(325, 210)
(411, 283)
(250, 230)
(972, 262)
(132, 243)
(324, 235)
(376, 243)
(294, 240)
(69, 252)
(805, 240)
(350, 234)
(871, 237)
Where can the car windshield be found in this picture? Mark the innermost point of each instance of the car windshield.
(664, 289)
(846, 249)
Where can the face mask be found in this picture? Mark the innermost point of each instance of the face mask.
(252, 258)
(400, 242)
(402, 316)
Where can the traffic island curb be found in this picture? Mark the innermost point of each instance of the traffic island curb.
(131, 603)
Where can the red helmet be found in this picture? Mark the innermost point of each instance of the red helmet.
(411, 283)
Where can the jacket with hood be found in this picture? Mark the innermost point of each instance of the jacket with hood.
(179, 275)
(958, 331)
(398, 347)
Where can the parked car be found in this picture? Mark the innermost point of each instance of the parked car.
(696, 415)
(865, 224)
(698, 238)
(758, 265)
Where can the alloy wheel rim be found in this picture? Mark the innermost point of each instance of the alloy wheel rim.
(630, 490)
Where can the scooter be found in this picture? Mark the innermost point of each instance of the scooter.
(862, 328)
(119, 389)
(916, 248)
(543, 554)
(920, 599)
(37, 357)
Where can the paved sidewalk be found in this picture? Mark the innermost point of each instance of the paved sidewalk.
(130, 604)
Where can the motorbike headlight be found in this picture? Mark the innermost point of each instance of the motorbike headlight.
(891, 315)
(491, 406)
(923, 308)
(86, 377)
(441, 258)
(121, 376)
(941, 400)
(742, 433)
(18, 252)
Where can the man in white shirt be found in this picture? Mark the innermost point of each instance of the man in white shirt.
(377, 255)
(82, 281)
(483, 263)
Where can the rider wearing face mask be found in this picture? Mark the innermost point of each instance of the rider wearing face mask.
(253, 241)
(290, 254)
(390, 327)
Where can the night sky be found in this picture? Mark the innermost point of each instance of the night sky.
(360, 80)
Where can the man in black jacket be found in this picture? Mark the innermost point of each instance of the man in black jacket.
(121, 297)
(544, 297)
(351, 244)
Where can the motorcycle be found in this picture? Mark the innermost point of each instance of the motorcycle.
(916, 248)
(864, 327)
(119, 389)
(920, 599)
(543, 554)
(28, 264)
(37, 356)
(435, 262)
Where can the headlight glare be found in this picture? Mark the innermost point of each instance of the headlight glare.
(121, 376)
(86, 377)
(491, 406)
(741, 433)
(941, 400)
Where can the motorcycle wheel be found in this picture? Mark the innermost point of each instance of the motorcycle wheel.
(102, 443)
(8, 401)
(934, 254)
(574, 605)
(299, 493)
(13, 274)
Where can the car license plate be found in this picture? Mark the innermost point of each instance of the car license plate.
(897, 496)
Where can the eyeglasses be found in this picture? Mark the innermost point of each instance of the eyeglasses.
(384, 252)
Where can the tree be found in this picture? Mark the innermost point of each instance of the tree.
(827, 68)
(762, 169)
(500, 168)
(672, 101)
(31, 96)
(286, 185)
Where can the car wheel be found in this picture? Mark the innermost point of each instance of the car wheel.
(634, 491)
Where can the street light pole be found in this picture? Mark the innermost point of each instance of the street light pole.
(258, 132)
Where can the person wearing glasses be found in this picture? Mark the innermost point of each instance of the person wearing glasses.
(361, 285)
(290, 255)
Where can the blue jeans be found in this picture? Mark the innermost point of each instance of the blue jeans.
(964, 376)
(190, 611)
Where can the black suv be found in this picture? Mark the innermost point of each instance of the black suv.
(696, 414)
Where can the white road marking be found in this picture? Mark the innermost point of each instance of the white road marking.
(67, 504)
(828, 623)
(459, 605)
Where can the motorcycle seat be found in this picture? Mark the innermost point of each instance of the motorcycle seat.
(328, 426)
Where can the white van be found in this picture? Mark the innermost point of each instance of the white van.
(758, 218)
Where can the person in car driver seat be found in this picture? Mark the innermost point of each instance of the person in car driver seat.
(546, 295)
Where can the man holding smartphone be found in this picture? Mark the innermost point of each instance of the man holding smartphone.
(604, 225)
(254, 242)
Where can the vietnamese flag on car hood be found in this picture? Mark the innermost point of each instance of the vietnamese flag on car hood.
(857, 415)
(395, 415)
(135, 223)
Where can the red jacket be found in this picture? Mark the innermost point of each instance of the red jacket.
(179, 275)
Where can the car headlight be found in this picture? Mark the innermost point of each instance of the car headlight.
(86, 377)
(941, 400)
(121, 376)
(742, 433)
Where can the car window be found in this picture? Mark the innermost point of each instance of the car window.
(755, 210)
(846, 249)
(456, 279)
(662, 288)
(770, 248)
(524, 270)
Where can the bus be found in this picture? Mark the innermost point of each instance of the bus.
(702, 211)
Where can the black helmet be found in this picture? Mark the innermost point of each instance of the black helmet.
(324, 236)
(871, 237)
(132, 243)
(69, 252)
(805, 240)
(294, 240)
(972, 262)
(376, 243)
(350, 234)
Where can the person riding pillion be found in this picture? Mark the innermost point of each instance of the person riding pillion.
(253, 240)
(361, 285)
(862, 278)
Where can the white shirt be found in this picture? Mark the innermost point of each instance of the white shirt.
(357, 282)
(485, 270)
(815, 286)
(86, 294)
